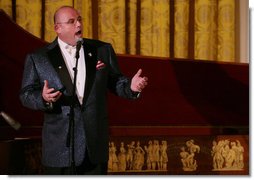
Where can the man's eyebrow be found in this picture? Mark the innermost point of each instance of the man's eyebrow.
(75, 18)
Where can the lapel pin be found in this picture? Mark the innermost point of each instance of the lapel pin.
(90, 54)
(59, 67)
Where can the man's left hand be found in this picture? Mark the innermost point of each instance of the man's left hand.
(138, 83)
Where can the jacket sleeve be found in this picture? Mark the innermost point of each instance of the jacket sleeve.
(31, 90)
(118, 83)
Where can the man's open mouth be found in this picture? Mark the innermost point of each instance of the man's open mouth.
(78, 33)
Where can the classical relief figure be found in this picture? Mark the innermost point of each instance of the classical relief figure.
(188, 156)
(110, 161)
(129, 156)
(218, 159)
(163, 156)
(184, 157)
(149, 152)
(239, 155)
(139, 158)
(156, 155)
(227, 155)
(122, 158)
(113, 160)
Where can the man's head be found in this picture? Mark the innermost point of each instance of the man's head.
(68, 24)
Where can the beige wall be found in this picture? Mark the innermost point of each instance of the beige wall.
(243, 32)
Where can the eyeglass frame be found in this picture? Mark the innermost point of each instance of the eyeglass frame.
(72, 21)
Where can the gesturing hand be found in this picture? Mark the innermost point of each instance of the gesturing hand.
(48, 94)
(138, 83)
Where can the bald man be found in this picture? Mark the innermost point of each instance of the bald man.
(48, 86)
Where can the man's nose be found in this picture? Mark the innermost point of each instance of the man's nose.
(78, 23)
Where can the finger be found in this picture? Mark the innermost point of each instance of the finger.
(138, 73)
(100, 65)
(99, 62)
(145, 79)
(141, 86)
(46, 88)
(44, 91)
(144, 82)
(50, 91)
(54, 94)
(46, 84)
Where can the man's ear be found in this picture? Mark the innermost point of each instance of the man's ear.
(57, 28)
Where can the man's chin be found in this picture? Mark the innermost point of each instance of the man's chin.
(78, 36)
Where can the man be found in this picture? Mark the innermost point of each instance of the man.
(48, 86)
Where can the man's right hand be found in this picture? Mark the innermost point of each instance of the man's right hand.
(49, 94)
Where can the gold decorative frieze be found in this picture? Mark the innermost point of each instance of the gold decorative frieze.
(213, 154)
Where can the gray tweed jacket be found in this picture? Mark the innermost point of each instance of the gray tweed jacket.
(91, 119)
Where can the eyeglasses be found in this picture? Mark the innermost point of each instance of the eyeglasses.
(72, 21)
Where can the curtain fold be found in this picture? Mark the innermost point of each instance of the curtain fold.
(132, 28)
(226, 30)
(205, 29)
(26, 9)
(111, 23)
(181, 29)
(154, 35)
(202, 29)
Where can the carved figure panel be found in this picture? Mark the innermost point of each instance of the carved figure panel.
(227, 155)
(134, 157)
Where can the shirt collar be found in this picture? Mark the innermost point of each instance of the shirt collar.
(64, 44)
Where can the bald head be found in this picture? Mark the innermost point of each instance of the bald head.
(61, 11)
(68, 24)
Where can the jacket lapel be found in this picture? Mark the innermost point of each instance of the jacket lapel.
(91, 61)
(56, 59)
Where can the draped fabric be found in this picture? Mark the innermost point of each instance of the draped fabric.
(6, 5)
(111, 23)
(206, 29)
(26, 9)
(181, 29)
(194, 29)
(154, 35)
